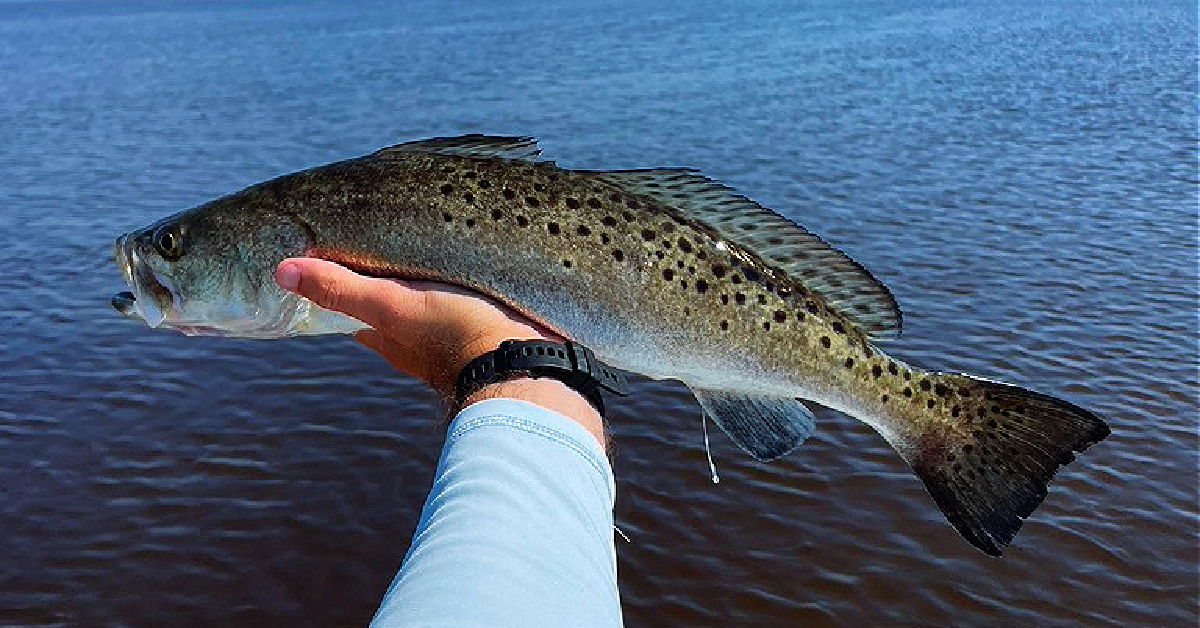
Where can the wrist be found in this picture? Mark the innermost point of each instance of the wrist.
(548, 393)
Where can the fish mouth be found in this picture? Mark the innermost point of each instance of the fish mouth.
(149, 299)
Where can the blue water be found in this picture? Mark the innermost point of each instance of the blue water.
(1023, 177)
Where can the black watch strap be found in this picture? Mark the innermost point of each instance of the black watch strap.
(573, 364)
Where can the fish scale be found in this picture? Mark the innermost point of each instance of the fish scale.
(660, 272)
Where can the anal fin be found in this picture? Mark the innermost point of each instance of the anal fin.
(767, 427)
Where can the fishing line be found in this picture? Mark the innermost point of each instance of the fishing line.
(712, 467)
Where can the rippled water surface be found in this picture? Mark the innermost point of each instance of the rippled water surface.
(1023, 178)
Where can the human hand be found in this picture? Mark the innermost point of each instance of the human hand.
(426, 329)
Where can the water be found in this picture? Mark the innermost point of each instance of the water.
(1022, 176)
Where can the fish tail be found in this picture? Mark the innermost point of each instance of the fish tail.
(987, 467)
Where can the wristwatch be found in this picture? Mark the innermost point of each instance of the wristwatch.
(571, 363)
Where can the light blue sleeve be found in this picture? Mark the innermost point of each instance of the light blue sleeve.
(517, 530)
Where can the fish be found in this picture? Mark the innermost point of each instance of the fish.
(662, 272)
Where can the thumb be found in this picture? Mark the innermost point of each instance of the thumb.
(376, 302)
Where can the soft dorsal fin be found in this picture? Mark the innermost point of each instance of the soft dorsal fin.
(843, 283)
(474, 145)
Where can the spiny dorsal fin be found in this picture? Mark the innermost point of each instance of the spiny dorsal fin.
(474, 145)
(846, 286)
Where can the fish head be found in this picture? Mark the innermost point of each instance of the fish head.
(208, 271)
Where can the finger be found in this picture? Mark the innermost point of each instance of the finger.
(376, 302)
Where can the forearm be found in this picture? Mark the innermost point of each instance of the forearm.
(517, 530)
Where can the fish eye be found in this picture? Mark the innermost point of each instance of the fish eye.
(169, 242)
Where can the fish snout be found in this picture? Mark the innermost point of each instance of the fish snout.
(125, 303)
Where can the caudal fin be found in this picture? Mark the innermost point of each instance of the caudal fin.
(989, 471)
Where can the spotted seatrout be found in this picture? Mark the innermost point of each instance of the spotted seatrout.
(660, 272)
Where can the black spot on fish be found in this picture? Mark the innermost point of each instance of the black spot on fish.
(876, 370)
(735, 278)
(884, 398)
(470, 174)
(766, 326)
(838, 327)
(724, 299)
(522, 221)
(925, 385)
(470, 222)
(799, 315)
(811, 307)
(468, 197)
(484, 184)
(614, 197)
(955, 411)
(751, 274)
(907, 392)
(608, 221)
(497, 214)
(628, 216)
(941, 390)
(447, 217)
(595, 204)
(567, 263)
(825, 342)
(446, 189)
(929, 404)
(668, 274)
(448, 169)
(762, 299)
(509, 194)
(552, 227)
(572, 203)
(532, 202)
(780, 316)
(724, 325)
(893, 369)
(684, 245)
(660, 254)
(604, 239)
(701, 286)
(718, 271)
(618, 255)
(666, 244)
(907, 376)
(583, 230)
(683, 284)
(849, 363)
(648, 234)
(740, 298)
(679, 263)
